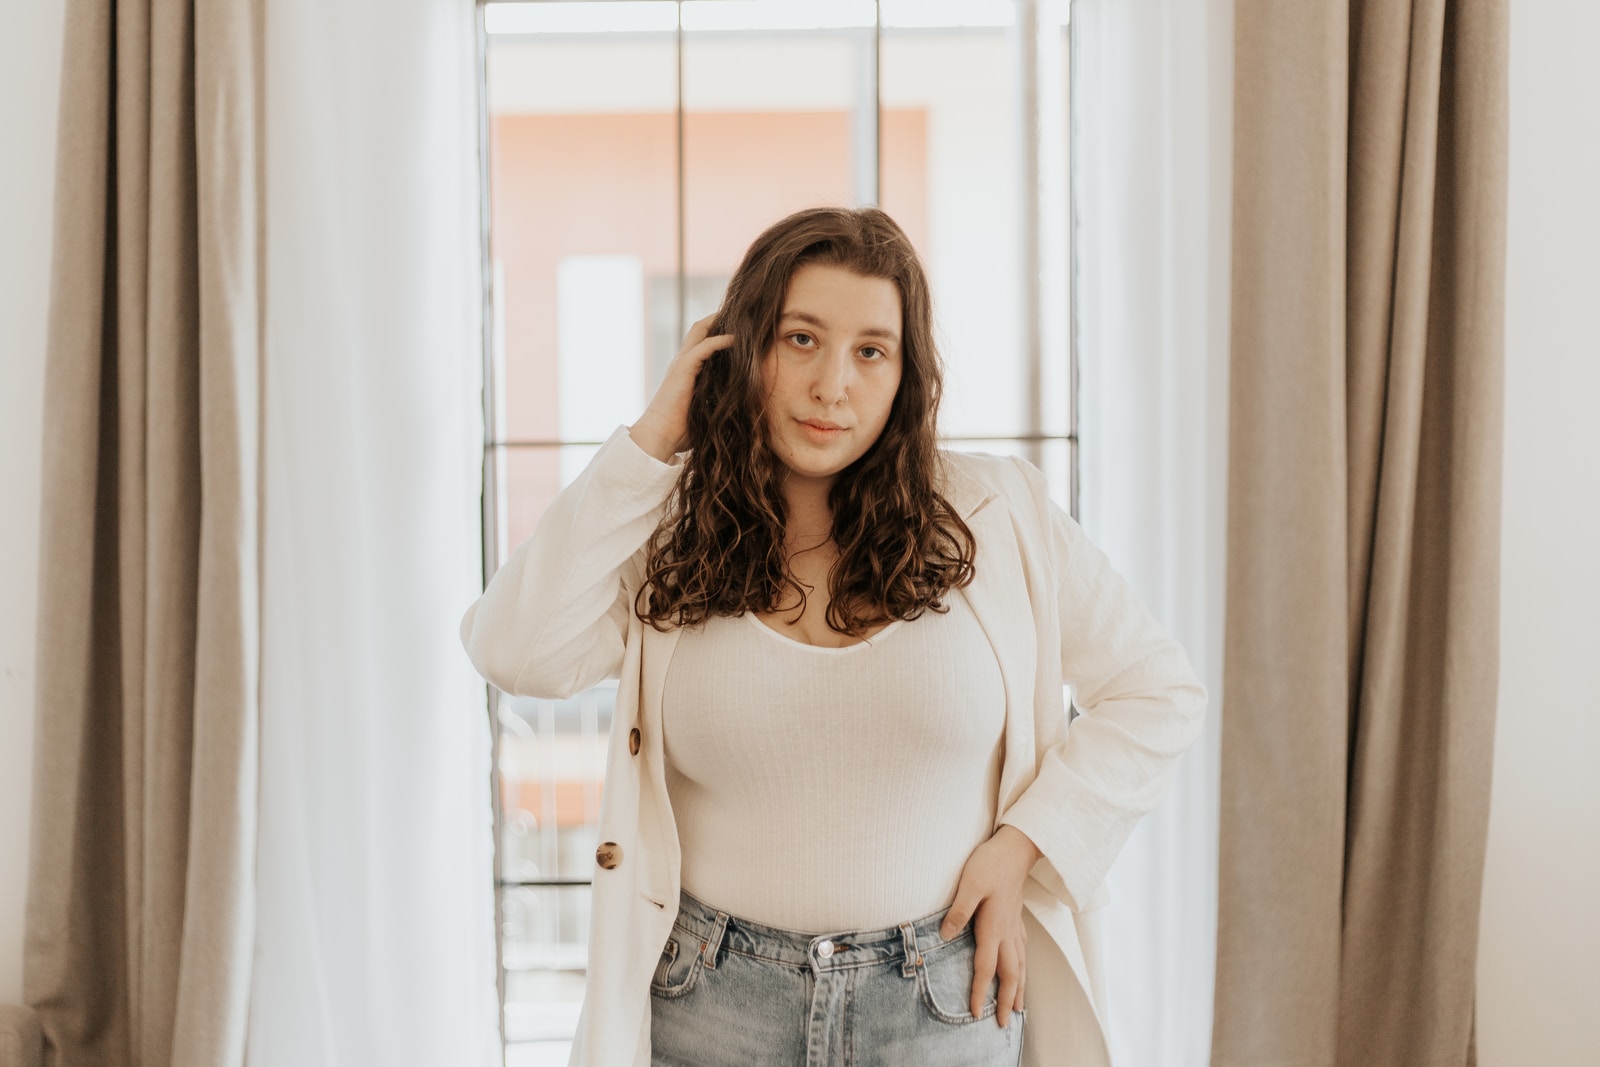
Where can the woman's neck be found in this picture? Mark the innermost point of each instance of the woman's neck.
(810, 515)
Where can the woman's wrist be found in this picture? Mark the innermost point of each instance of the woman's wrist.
(651, 442)
(1020, 844)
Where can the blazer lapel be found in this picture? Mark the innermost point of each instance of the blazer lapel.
(999, 598)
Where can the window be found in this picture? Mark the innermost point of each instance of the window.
(634, 149)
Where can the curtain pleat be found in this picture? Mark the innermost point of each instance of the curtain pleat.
(1364, 474)
(139, 932)
(219, 921)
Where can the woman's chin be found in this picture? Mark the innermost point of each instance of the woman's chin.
(812, 467)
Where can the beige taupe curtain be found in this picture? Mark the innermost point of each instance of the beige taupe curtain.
(1363, 544)
(139, 920)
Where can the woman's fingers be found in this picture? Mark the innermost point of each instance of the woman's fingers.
(990, 894)
(958, 914)
(698, 333)
(661, 430)
(1010, 982)
(983, 967)
(1002, 956)
(1022, 971)
(701, 350)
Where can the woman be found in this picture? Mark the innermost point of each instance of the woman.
(844, 819)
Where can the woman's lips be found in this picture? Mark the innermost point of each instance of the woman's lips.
(820, 432)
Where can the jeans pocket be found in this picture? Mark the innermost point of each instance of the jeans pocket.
(945, 978)
(678, 969)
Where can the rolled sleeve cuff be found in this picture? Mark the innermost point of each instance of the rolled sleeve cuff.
(1063, 867)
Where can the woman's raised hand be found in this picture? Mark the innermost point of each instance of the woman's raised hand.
(662, 429)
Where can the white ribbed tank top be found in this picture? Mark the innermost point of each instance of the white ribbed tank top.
(826, 790)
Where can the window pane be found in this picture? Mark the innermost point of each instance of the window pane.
(1055, 216)
(774, 121)
(965, 84)
(552, 769)
(530, 477)
(552, 763)
(545, 932)
(968, 175)
(583, 187)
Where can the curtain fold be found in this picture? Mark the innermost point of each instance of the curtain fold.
(139, 920)
(1363, 556)
(262, 829)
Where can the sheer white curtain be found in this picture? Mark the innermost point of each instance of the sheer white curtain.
(1152, 112)
(375, 935)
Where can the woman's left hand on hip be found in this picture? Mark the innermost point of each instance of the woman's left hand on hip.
(990, 894)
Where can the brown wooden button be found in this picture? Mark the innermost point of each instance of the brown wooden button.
(608, 855)
(633, 741)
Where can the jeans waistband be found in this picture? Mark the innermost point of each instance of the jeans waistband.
(904, 941)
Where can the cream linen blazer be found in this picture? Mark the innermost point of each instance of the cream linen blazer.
(557, 619)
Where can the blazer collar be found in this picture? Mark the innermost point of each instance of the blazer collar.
(964, 492)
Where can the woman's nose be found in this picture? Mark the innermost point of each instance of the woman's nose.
(832, 382)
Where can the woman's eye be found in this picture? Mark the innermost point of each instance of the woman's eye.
(802, 340)
(872, 353)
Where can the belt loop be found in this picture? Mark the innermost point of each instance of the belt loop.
(913, 960)
(713, 941)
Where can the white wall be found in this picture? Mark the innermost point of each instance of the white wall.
(1538, 986)
(30, 66)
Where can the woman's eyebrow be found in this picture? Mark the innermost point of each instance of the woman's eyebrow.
(812, 320)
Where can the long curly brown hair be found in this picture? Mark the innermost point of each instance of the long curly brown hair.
(720, 548)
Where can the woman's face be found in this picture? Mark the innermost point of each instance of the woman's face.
(832, 372)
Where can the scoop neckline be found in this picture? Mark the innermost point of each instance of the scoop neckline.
(787, 640)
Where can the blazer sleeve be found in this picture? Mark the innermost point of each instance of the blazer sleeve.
(1140, 707)
(553, 620)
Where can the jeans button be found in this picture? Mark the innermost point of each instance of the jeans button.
(825, 948)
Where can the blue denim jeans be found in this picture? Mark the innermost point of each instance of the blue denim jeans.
(732, 992)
